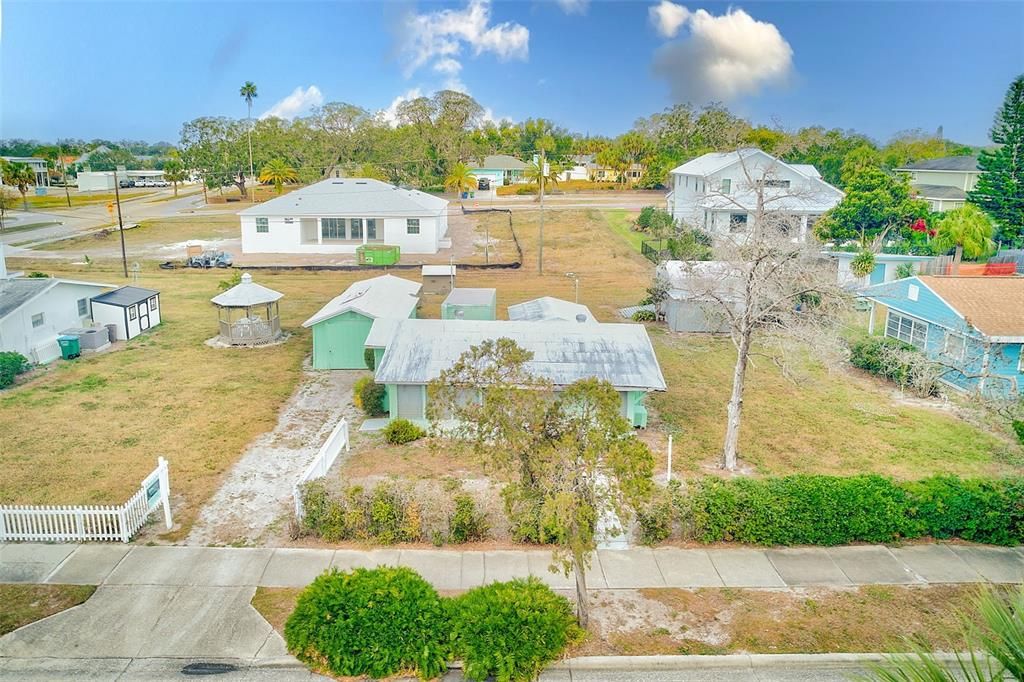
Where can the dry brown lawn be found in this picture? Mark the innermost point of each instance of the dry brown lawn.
(86, 432)
(24, 604)
(151, 234)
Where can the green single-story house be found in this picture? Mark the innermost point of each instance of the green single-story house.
(563, 352)
(341, 327)
(470, 304)
(500, 169)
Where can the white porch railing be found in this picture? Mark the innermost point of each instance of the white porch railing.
(322, 463)
(63, 523)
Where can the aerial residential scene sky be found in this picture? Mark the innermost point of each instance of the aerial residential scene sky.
(138, 70)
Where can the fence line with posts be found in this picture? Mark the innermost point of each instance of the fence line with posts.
(102, 523)
(322, 463)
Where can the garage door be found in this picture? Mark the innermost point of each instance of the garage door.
(410, 402)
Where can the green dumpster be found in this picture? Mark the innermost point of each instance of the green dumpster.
(377, 254)
(69, 346)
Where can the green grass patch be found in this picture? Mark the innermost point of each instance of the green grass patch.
(24, 604)
(620, 221)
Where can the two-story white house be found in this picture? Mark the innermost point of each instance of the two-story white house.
(943, 183)
(717, 192)
(338, 215)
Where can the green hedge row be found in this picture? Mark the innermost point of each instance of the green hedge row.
(832, 510)
(383, 621)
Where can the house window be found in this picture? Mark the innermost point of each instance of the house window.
(38, 319)
(332, 228)
(289, 221)
(412, 226)
(83, 307)
(954, 346)
(355, 226)
(263, 225)
(726, 185)
(371, 229)
(152, 303)
(737, 222)
(777, 183)
(133, 313)
(906, 329)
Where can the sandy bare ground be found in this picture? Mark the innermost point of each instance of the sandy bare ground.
(257, 493)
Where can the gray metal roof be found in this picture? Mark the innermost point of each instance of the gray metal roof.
(360, 197)
(548, 309)
(15, 293)
(246, 293)
(125, 296)
(381, 331)
(384, 296)
(499, 162)
(563, 352)
(946, 163)
(941, 192)
(471, 296)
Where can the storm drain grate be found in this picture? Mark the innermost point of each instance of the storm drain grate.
(206, 668)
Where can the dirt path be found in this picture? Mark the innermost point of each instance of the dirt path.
(257, 493)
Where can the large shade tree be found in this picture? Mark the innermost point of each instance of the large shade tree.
(1000, 188)
(877, 205)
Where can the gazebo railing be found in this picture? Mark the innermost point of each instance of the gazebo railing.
(250, 331)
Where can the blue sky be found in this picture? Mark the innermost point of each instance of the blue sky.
(139, 69)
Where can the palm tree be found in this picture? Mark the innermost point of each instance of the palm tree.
(969, 230)
(278, 172)
(998, 631)
(21, 176)
(460, 179)
(248, 93)
(174, 170)
(533, 174)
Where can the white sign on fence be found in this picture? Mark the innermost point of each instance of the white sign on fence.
(65, 523)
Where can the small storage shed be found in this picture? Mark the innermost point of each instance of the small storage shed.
(340, 328)
(550, 309)
(132, 310)
(697, 291)
(248, 314)
(438, 279)
(470, 304)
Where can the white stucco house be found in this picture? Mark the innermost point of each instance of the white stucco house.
(34, 312)
(338, 215)
(717, 192)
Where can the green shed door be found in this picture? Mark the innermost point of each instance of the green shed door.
(339, 343)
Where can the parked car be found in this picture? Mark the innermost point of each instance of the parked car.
(125, 184)
(483, 183)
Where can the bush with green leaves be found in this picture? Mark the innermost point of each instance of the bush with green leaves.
(510, 631)
(644, 316)
(869, 353)
(11, 365)
(904, 270)
(990, 511)
(373, 622)
(370, 359)
(371, 395)
(466, 523)
(1018, 428)
(402, 431)
(862, 264)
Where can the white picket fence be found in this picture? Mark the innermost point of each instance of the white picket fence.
(322, 463)
(62, 523)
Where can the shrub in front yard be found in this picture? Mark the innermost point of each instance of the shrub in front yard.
(663, 514)
(466, 523)
(402, 431)
(11, 365)
(371, 397)
(370, 622)
(644, 316)
(370, 359)
(989, 511)
(1018, 428)
(869, 354)
(511, 630)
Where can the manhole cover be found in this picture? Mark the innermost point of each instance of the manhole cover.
(205, 668)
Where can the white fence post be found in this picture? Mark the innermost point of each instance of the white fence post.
(322, 463)
(165, 490)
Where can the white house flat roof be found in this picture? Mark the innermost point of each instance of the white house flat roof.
(246, 293)
(438, 270)
(713, 162)
(471, 296)
(362, 197)
(563, 352)
(548, 309)
(384, 296)
(381, 331)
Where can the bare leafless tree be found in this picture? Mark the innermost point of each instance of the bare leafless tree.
(769, 286)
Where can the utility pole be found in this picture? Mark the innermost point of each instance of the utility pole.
(120, 224)
(64, 172)
(540, 243)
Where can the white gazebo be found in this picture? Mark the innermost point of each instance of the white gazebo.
(248, 314)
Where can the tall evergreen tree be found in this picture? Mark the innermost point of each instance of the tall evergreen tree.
(1000, 188)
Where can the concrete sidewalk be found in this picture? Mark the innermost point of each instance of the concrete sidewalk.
(177, 566)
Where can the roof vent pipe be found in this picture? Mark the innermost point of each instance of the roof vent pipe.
(460, 314)
(580, 317)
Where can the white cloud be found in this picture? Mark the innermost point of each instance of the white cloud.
(299, 102)
(441, 35)
(668, 17)
(447, 66)
(723, 57)
(574, 6)
(390, 114)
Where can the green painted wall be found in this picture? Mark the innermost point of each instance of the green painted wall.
(470, 312)
(338, 343)
(636, 411)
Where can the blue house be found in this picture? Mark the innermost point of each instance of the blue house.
(973, 325)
